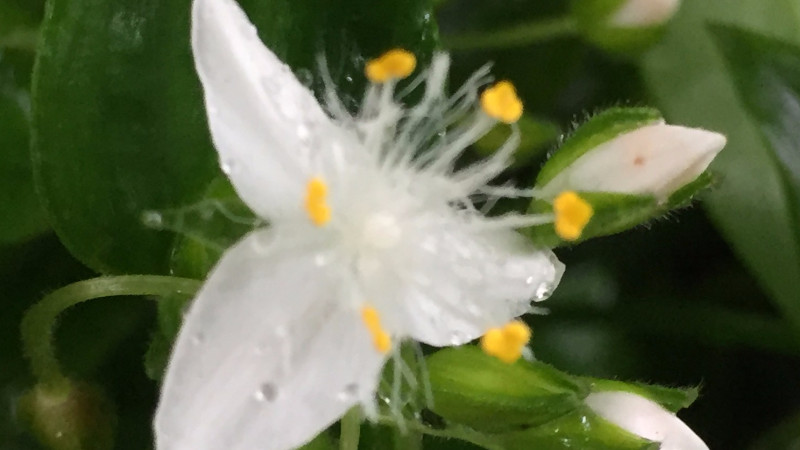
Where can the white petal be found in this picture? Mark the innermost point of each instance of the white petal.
(264, 123)
(655, 159)
(645, 418)
(268, 355)
(644, 13)
(453, 284)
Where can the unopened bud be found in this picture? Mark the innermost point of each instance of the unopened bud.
(645, 418)
(629, 167)
(655, 159)
(72, 417)
(626, 26)
(481, 391)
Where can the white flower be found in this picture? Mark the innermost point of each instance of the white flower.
(373, 238)
(645, 418)
(644, 13)
(655, 159)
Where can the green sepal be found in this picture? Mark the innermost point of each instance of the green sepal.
(672, 399)
(536, 136)
(684, 196)
(613, 213)
(580, 429)
(599, 129)
(592, 17)
(483, 393)
(76, 416)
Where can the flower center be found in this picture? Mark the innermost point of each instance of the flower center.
(381, 231)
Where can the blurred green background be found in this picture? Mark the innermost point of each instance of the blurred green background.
(708, 296)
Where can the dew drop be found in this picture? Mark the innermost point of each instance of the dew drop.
(542, 292)
(458, 338)
(152, 219)
(529, 280)
(305, 77)
(267, 392)
(226, 166)
(303, 133)
(59, 434)
(198, 339)
(473, 309)
(349, 392)
(320, 259)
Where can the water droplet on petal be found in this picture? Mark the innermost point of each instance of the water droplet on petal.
(198, 339)
(303, 133)
(152, 219)
(320, 259)
(543, 292)
(305, 77)
(458, 338)
(226, 166)
(266, 392)
(349, 393)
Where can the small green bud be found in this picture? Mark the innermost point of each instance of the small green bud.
(72, 417)
(623, 26)
(486, 394)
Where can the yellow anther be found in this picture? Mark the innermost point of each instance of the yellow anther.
(380, 338)
(506, 343)
(501, 102)
(572, 215)
(318, 210)
(394, 64)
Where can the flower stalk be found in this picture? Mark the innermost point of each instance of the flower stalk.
(39, 323)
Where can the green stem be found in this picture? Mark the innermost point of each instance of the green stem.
(351, 429)
(21, 39)
(451, 432)
(516, 36)
(39, 323)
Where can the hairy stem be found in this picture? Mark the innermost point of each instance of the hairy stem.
(516, 36)
(40, 320)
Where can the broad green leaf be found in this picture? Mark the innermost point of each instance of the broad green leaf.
(750, 205)
(118, 122)
(767, 75)
(21, 217)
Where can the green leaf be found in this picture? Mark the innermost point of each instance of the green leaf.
(766, 73)
(751, 205)
(21, 217)
(118, 121)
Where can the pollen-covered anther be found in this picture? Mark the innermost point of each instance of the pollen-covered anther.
(380, 338)
(316, 206)
(506, 343)
(394, 64)
(572, 214)
(501, 102)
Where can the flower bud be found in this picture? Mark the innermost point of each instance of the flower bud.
(629, 167)
(645, 418)
(71, 417)
(626, 26)
(624, 152)
(472, 388)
